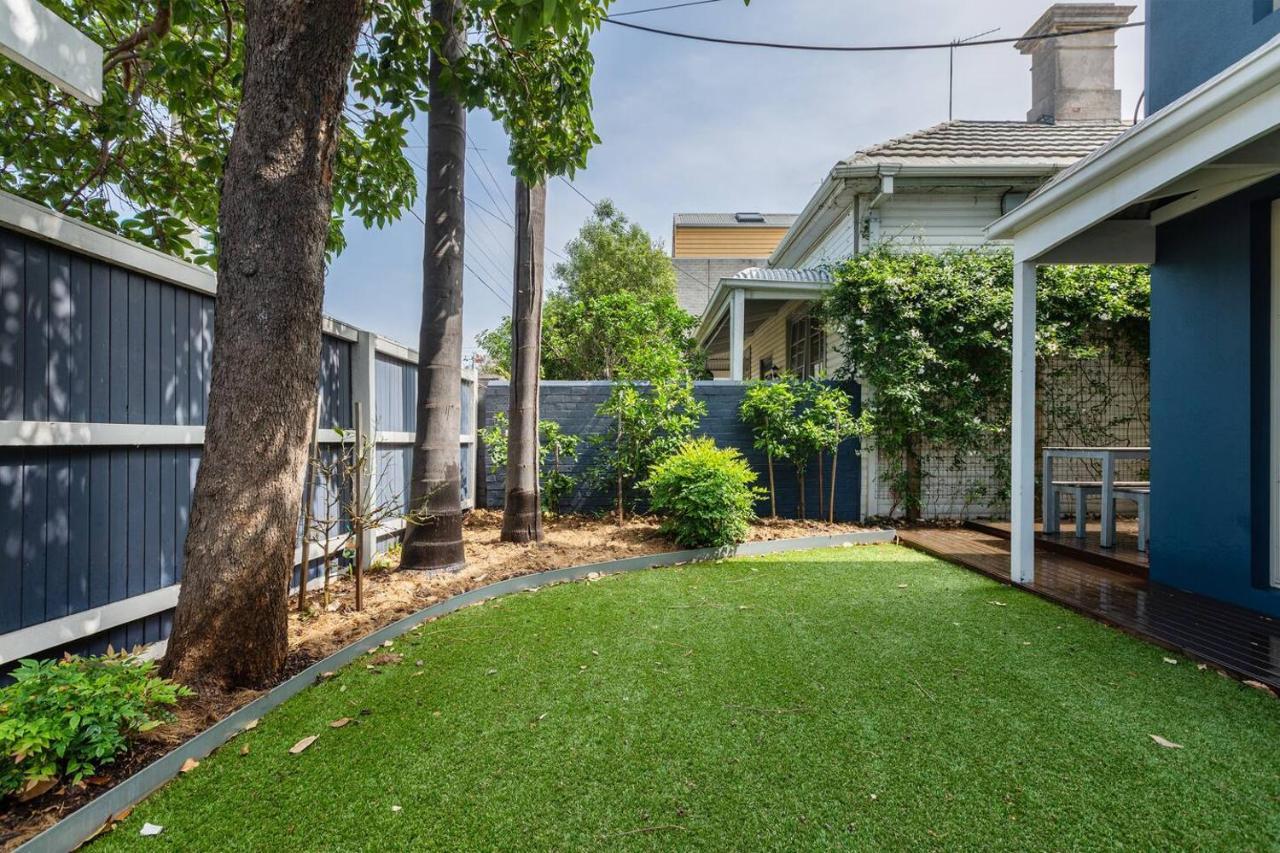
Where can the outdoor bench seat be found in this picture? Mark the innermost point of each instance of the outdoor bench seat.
(1138, 491)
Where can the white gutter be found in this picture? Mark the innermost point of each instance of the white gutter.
(1217, 96)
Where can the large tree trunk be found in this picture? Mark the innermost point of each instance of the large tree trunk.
(433, 537)
(231, 623)
(522, 512)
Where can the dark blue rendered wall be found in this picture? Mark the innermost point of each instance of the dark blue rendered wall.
(1189, 41)
(573, 405)
(1210, 298)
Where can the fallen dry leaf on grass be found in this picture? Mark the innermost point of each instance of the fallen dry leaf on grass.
(998, 603)
(244, 750)
(250, 726)
(386, 659)
(902, 586)
(1165, 742)
(150, 829)
(188, 765)
(302, 744)
(1171, 660)
(339, 723)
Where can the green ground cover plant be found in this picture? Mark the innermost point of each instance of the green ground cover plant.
(855, 698)
(706, 495)
(66, 718)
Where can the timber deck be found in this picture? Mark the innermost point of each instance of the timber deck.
(1242, 642)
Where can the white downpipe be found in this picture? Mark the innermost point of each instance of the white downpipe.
(1023, 463)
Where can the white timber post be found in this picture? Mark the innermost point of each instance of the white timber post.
(737, 332)
(49, 47)
(1023, 463)
(364, 391)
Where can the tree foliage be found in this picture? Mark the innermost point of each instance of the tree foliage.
(555, 449)
(147, 162)
(615, 314)
(931, 335)
(705, 494)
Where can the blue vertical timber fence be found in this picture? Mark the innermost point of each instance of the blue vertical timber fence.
(105, 354)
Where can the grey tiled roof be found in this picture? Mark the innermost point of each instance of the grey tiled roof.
(818, 276)
(991, 143)
(771, 220)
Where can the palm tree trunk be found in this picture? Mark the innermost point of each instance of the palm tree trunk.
(231, 624)
(433, 538)
(522, 511)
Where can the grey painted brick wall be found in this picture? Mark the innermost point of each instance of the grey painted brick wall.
(573, 405)
(696, 278)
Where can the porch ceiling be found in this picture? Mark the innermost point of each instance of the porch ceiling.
(1218, 139)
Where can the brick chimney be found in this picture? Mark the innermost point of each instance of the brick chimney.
(1073, 78)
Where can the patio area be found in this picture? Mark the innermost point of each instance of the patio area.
(1113, 588)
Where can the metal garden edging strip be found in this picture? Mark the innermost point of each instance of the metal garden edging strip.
(87, 820)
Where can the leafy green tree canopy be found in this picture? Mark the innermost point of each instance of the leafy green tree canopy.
(147, 162)
(615, 315)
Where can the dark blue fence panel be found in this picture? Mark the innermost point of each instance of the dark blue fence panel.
(396, 388)
(573, 405)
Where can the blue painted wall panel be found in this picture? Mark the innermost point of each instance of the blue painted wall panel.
(12, 325)
(573, 405)
(397, 395)
(1210, 402)
(1189, 41)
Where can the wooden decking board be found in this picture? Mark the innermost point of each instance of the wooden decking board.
(1124, 557)
(1241, 641)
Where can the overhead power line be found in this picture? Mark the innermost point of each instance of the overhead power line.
(664, 8)
(568, 183)
(863, 48)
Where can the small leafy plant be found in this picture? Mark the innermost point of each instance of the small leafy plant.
(66, 718)
(705, 494)
(555, 448)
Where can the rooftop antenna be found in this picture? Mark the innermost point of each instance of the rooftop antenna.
(951, 68)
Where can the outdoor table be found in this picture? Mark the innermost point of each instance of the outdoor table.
(1108, 456)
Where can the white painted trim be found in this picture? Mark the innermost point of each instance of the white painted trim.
(1273, 493)
(1224, 113)
(399, 438)
(49, 47)
(338, 329)
(737, 335)
(63, 434)
(1022, 462)
(395, 350)
(39, 221)
(68, 629)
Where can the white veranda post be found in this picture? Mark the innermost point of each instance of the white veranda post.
(737, 333)
(1023, 467)
(44, 44)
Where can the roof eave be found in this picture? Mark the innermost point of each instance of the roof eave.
(1255, 73)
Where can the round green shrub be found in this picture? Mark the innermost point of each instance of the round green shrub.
(705, 494)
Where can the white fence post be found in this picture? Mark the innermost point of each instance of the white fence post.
(364, 390)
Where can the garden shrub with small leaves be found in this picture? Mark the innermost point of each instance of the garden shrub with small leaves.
(705, 494)
(66, 718)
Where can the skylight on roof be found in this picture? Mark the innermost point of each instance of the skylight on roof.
(749, 217)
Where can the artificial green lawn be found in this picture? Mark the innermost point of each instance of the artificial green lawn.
(861, 698)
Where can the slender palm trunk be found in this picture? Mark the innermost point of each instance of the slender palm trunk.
(433, 538)
(231, 624)
(522, 511)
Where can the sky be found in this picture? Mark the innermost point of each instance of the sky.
(695, 127)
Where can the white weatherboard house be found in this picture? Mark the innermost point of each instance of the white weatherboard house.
(934, 189)
(931, 190)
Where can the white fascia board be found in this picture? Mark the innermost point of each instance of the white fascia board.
(1159, 166)
(49, 47)
(800, 235)
(395, 350)
(714, 313)
(1219, 100)
(339, 329)
(38, 221)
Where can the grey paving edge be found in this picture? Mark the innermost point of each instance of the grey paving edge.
(83, 823)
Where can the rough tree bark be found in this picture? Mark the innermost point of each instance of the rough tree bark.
(231, 624)
(522, 511)
(433, 539)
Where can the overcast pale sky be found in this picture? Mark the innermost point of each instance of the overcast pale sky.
(688, 126)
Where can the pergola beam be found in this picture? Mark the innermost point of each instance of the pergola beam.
(49, 47)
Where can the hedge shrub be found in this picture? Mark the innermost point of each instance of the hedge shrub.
(705, 494)
(66, 718)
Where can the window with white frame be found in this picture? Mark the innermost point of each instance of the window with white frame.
(806, 347)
